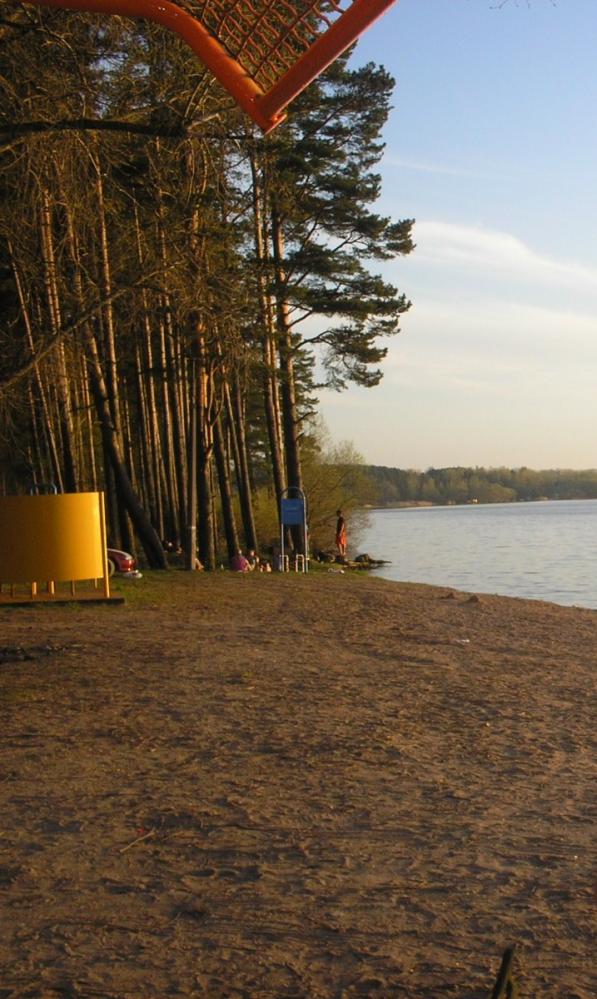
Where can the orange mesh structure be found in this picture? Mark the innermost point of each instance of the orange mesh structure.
(264, 52)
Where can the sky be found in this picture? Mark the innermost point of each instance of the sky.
(492, 148)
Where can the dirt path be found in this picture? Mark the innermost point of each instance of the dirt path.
(323, 786)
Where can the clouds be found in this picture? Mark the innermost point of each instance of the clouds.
(497, 361)
(491, 148)
(499, 255)
(489, 299)
(508, 335)
(488, 305)
(391, 162)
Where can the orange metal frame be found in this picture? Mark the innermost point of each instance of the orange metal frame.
(264, 107)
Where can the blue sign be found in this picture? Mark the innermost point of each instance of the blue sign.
(293, 511)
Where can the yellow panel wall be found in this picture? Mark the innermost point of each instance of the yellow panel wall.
(55, 537)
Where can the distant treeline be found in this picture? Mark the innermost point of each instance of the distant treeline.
(391, 486)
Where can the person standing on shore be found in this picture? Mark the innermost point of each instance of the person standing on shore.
(341, 534)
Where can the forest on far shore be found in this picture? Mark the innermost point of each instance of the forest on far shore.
(393, 486)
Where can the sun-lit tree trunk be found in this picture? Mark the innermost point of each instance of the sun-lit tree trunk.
(116, 475)
(271, 398)
(167, 473)
(55, 322)
(223, 467)
(48, 426)
(132, 464)
(145, 395)
(237, 423)
(37, 454)
(143, 526)
(206, 415)
(178, 444)
(175, 444)
(89, 437)
(290, 419)
(109, 344)
(143, 436)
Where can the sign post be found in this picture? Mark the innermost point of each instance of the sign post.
(293, 513)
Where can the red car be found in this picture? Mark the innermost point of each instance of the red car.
(122, 563)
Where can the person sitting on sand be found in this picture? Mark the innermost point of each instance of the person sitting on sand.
(238, 563)
(341, 534)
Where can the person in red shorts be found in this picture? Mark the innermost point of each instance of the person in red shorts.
(341, 534)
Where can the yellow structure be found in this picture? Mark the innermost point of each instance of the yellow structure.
(53, 538)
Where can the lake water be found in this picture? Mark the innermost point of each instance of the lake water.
(544, 551)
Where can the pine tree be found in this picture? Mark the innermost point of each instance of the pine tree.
(318, 186)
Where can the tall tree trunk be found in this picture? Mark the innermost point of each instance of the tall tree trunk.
(238, 428)
(91, 462)
(38, 456)
(168, 476)
(110, 360)
(143, 526)
(223, 466)
(177, 461)
(115, 471)
(290, 420)
(127, 444)
(112, 518)
(175, 442)
(207, 414)
(54, 312)
(144, 437)
(154, 467)
(271, 398)
(54, 461)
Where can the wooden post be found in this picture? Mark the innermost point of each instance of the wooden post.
(106, 579)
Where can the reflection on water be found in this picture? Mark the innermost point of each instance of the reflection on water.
(545, 551)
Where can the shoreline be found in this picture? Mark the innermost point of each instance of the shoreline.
(425, 504)
(535, 550)
(329, 785)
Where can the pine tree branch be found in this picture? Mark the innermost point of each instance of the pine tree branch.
(173, 129)
(23, 128)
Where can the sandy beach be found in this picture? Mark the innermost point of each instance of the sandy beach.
(319, 786)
